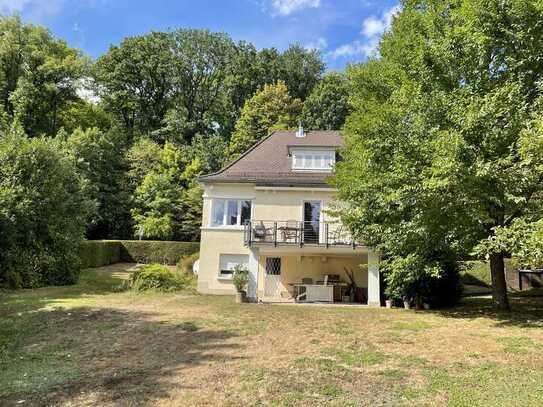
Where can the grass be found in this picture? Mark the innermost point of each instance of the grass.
(90, 344)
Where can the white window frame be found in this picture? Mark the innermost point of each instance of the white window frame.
(233, 259)
(224, 201)
(305, 159)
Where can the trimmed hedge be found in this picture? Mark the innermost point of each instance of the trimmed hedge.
(97, 253)
(149, 251)
(477, 272)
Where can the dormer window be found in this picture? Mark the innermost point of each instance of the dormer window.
(314, 159)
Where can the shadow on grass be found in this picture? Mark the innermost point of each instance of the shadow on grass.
(92, 282)
(103, 356)
(81, 354)
(527, 312)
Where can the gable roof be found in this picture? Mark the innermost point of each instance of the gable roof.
(268, 161)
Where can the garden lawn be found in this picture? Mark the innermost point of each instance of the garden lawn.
(89, 345)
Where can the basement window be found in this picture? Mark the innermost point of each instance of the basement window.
(229, 261)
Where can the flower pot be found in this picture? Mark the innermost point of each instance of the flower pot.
(388, 303)
(241, 296)
(406, 304)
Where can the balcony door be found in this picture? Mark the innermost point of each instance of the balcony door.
(311, 219)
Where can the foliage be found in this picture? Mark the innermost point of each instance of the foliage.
(156, 277)
(100, 161)
(240, 277)
(413, 278)
(268, 110)
(39, 76)
(135, 81)
(201, 63)
(42, 212)
(143, 158)
(522, 239)
(327, 106)
(97, 253)
(406, 277)
(437, 150)
(168, 203)
(301, 69)
(148, 251)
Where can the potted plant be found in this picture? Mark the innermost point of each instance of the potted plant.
(388, 303)
(240, 278)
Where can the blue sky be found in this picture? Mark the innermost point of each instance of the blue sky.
(344, 30)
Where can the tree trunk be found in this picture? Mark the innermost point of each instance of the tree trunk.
(499, 288)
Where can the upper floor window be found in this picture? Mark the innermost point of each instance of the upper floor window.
(230, 212)
(322, 160)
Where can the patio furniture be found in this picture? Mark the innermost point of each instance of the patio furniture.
(315, 292)
(301, 288)
(260, 231)
(290, 231)
(307, 291)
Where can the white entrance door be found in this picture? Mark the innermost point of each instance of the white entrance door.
(272, 281)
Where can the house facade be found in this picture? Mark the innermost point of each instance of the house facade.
(268, 211)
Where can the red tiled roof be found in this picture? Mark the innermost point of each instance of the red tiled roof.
(268, 161)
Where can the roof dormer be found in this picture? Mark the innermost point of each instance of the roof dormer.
(318, 159)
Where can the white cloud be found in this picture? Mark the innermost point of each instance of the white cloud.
(372, 29)
(287, 7)
(34, 10)
(354, 48)
(319, 44)
(373, 25)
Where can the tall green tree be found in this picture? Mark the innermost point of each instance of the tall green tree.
(268, 110)
(432, 161)
(327, 107)
(135, 81)
(100, 159)
(42, 212)
(301, 70)
(201, 65)
(39, 76)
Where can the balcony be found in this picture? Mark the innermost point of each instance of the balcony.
(294, 233)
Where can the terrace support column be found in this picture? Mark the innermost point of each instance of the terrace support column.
(253, 275)
(374, 285)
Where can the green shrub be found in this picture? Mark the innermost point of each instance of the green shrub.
(156, 277)
(186, 263)
(240, 278)
(415, 278)
(42, 212)
(149, 251)
(97, 253)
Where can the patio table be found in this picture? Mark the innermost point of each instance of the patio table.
(316, 292)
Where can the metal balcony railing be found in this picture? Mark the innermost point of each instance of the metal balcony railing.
(295, 233)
